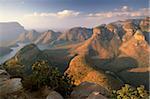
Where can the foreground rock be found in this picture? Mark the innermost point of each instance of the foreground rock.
(96, 95)
(10, 86)
(7, 85)
(86, 89)
(54, 95)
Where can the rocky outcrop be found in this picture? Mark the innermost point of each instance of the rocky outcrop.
(87, 90)
(139, 35)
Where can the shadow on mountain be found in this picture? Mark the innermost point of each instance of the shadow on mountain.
(122, 66)
(135, 78)
(147, 37)
(59, 58)
(117, 64)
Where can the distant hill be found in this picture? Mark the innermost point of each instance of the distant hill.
(9, 32)
(76, 34)
(28, 36)
(47, 37)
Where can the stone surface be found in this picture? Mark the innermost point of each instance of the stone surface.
(54, 95)
(85, 89)
(96, 95)
(10, 86)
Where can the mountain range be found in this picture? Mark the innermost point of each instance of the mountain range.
(108, 55)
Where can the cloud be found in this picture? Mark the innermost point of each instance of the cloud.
(61, 14)
(71, 18)
(125, 8)
(66, 13)
(124, 11)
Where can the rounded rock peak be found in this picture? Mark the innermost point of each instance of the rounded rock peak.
(139, 35)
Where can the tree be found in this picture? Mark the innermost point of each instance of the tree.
(45, 75)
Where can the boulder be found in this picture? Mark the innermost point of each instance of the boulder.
(54, 95)
(85, 89)
(96, 95)
(7, 85)
(3, 75)
(10, 86)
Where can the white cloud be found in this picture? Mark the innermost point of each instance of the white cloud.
(66, 13)
(61, 14)
(126, 8)
(124, 11)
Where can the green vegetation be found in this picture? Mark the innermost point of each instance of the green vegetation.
(129, 92)
(45, 75)
(14, 68)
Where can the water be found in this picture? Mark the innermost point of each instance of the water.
(16, 49)
(12, 53)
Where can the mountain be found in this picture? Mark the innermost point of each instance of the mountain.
(29, 36)
(116, 48)
(10, 31)
(117, 40)
(76, 34)
(136, 76)
(47, 37)
(137, 48)
(81, 70)
(24, 59)
(103, 43)
(106, 56)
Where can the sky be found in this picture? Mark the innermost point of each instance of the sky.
(60, 14)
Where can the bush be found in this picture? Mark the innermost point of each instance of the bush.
(14, 69)
(45, 75)
(129, 92)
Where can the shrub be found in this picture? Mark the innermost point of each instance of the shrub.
(45, 75)
(129, 92)
(14, 69)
